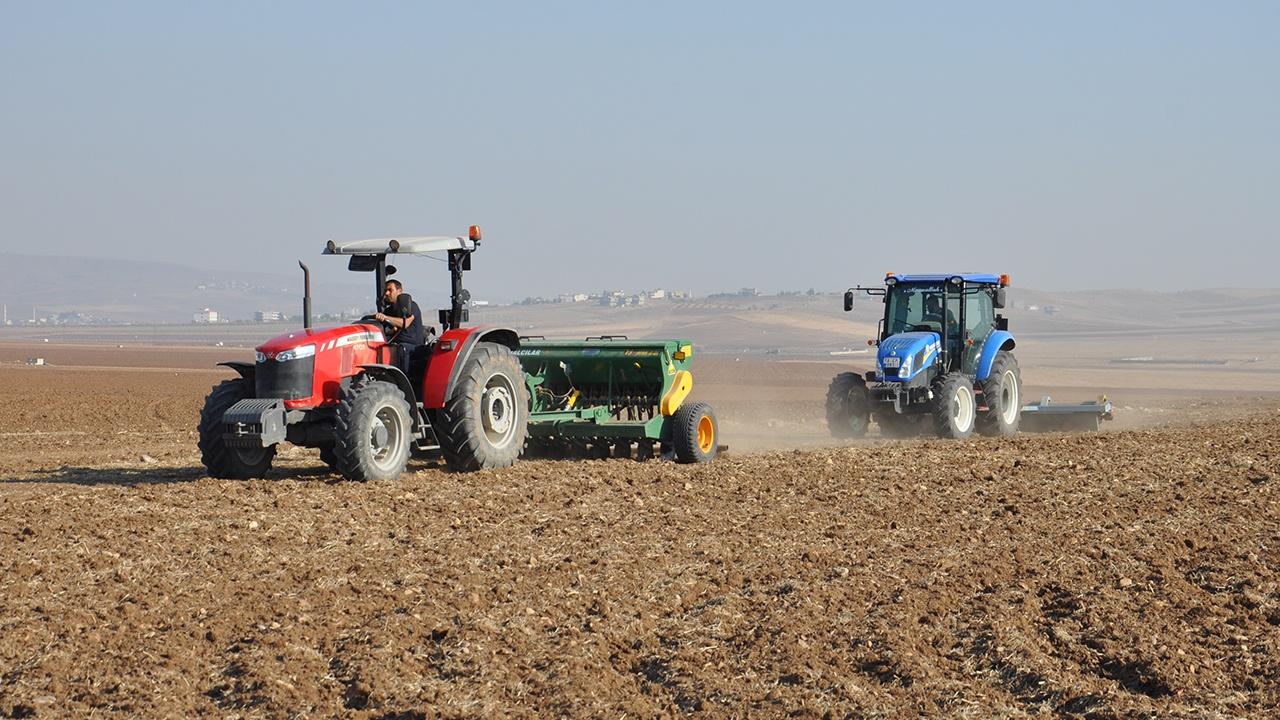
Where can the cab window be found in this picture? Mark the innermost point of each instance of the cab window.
(978, 313)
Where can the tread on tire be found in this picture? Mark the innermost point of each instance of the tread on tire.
(219, 459)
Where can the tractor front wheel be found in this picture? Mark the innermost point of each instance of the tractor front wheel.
(222, 460)
(954, 409)
(848, 406)
(485, 421)
(1002, 394)
(329, 457)
(372, 431)
(695, 433)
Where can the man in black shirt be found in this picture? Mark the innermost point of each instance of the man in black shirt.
(402, 315)
(404, 320)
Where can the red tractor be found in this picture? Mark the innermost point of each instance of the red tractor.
(367, 403)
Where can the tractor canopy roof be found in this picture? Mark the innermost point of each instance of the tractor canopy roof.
(399, 246)
(934, 279)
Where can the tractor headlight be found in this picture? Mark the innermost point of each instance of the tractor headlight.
(905, 368)
(302, 351)
(259, 356)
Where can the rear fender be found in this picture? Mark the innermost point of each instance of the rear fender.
(996, 341)
(450, 355)
(393, 374)
(245, 369)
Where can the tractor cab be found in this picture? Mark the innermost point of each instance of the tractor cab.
(371, 256)
(937, 346)
(952, 316)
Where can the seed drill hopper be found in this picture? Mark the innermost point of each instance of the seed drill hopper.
(601, 396)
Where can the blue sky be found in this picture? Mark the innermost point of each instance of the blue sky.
(705, 146)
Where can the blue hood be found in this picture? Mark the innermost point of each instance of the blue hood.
(919, 348)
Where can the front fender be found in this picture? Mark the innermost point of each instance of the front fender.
(247, 370)
(998, 340)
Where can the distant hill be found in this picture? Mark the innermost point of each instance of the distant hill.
(154, 292)
(817, 323)
(157, 292)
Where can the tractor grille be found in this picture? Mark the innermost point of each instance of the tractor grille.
(288, 380)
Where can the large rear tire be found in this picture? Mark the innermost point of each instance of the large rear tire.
(1002, 394)
(485, 421)
(954, 408)
(222, 461)
(695, 433)
(372, 431)
(848, 406)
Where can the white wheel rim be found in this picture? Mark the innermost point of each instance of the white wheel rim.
(385, 437)
(1009, 400)
(962, 409)
(498, 411)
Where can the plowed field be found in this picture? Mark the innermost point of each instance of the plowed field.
(1123, 574)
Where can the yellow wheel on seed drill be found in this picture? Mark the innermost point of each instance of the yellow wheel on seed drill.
(695, 434)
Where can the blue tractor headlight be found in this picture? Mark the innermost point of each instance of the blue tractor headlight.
(904, 370)
(302, 351)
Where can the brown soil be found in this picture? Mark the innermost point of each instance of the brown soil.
(1121, 574)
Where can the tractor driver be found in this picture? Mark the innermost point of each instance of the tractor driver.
(404, 319)
(933, 312)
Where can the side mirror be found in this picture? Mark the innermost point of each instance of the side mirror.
(998, 299)
(391, 270)
(848, 300)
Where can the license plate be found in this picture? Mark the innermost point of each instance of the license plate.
(891, 362)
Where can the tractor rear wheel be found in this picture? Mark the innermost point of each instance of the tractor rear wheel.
(485, 421)
(848, 406)
(954, 409)
(372, 431)
(1002, 394)
(221, 460)
(695, 433)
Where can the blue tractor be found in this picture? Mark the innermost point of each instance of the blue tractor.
(944, 362)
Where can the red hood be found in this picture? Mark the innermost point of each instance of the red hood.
(319, 337)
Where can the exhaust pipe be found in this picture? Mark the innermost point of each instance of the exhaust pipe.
(306, 295)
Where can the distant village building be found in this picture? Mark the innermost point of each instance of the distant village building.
(205, 316)
(678, 294)
(657, 294)
(264, 316)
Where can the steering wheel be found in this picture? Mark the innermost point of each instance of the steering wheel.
(373, 320)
